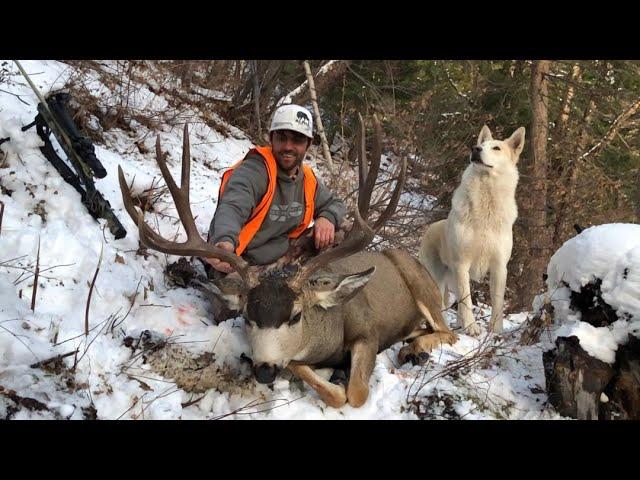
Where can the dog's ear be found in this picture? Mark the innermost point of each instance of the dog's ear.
(516, 141)
(485, 135)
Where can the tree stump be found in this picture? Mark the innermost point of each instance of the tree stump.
(575, 380)
(585, 388)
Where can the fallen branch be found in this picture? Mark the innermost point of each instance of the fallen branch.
(93, 282)
(52, 361)
(35, 279)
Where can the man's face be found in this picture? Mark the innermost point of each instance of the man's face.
(289, 148)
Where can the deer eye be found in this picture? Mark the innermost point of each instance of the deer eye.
(296, 318)
(496, 148)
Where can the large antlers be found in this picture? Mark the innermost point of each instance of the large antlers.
(194, 245)
(361, 234)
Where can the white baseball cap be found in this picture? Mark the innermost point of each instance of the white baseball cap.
(293, 117)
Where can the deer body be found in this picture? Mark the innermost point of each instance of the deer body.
(383, 312)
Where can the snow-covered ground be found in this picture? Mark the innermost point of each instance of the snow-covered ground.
(492, 378)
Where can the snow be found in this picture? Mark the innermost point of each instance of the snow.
(132, 295)
(611, 253)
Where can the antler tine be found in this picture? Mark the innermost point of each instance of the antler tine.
(395, 197)
(358, 238)
(180, 195)
(194, 245)
(361, 234)
(126, 197)
(370, 178)
(186, 163)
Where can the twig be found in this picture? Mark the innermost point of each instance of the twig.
(239, 411)
(133, 405)
(80, 335)
(613, 129)
(2, 263)
(55, 359)
(133, 301)
(1, 214)
(15, 95)
(193, 402)
(18, 338)
(86, 312)
(35, 279)
(455, 87)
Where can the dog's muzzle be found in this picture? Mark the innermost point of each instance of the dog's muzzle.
(476, 156)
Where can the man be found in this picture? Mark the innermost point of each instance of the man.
(270, 197)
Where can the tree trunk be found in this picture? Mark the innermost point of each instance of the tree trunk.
(325, 80)
(534, 190)
(256, 97)
(561, 123)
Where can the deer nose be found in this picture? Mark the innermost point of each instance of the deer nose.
(265, 373)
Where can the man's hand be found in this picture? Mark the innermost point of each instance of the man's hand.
(323, 233)
(219, 264)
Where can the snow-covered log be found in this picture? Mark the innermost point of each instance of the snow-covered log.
(594, 287)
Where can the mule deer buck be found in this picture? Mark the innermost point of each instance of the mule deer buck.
(328, 313)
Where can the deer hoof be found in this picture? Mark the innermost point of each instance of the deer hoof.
(339, 377)
(423, 357)
(357, 396)
(336, 397)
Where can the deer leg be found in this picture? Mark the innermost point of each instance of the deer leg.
(417, 352)
(363, 359)
(437, 323)
(332, 395)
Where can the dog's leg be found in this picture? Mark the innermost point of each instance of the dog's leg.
(465, 305)
(363, 359)
(331, 394)
(498, 282)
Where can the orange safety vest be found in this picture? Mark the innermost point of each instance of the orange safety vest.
(259, 213)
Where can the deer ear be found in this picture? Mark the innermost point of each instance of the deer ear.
(332, 290)
(230, 291)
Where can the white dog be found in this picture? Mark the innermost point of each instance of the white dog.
(477, 237)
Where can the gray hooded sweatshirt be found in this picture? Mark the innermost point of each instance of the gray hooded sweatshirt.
(244, 190)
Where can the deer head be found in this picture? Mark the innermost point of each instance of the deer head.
(273, 305)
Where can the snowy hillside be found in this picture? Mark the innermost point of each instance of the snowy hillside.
(201, 373)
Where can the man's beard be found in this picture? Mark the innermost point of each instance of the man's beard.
(293, 166)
